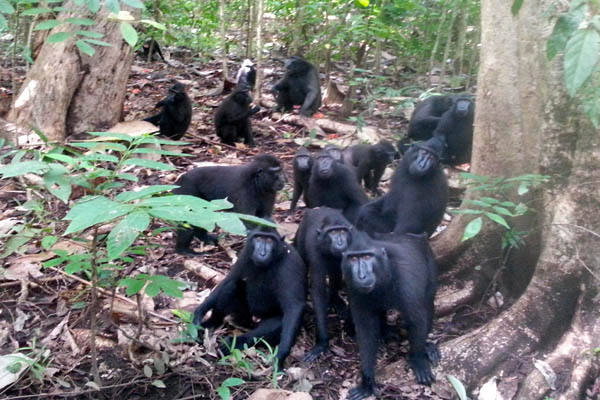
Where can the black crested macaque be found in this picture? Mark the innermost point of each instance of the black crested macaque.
(232, 118)
(267, 281)
(369, 162)
(334, 185)
(335, 152)
(151, 50)
(426, 116)
(381, 276)
(299, 86)
(176, 114)
(302, 165)
(417, 197)
(322, 236)
(456, 127)
(246, 76)
(251, 188)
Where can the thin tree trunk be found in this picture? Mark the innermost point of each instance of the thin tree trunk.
(348, 105)
(463, 15)
(259, 45)
(223, 38)
(449, 38)
(298, 28)
(438, 38)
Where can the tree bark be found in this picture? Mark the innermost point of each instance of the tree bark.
(65, 89)
(526, 123)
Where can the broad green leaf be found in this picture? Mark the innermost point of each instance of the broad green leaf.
(458, 387)
(113, 6)
(144, 150)
(479, 203)
(85, 48)
(205, 220)
(129, 33)
(127, 176)
(497, 219)
(22, 168)
(125, 232)
(581, 57)
(81, 21)
(48, 241)
(59, 37)
(58, 182)
(45, 25)
(134, 3)
(93, 5)
(15, 242)
(466, 211)
(362, 3)
(100, 157)
(154, 24)
(6, 7)
(90, 34)
(32, 11)
(230, 382)
(516, 6)
(490, 200)
(61, 157)
(147, 191)
(159, 384)
(155, 140)
(472, 228)
(132, 285)
(224, 392)
(94, 211)
(503, 211)
(3, 23)
(523, 188)
(232, 225)
(563, 29)
(120, 136)
(98, 42)
(183, 315)
(140, 162)
(99, 146)
(178, 200)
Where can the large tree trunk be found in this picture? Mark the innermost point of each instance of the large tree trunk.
(525, 123)
(69, 92)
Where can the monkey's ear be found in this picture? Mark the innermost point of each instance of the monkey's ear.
(318, 231)
(384, 253)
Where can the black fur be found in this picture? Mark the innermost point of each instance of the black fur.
(246, 76)
(267, 281)
(232, 118)
(369, 162)
(152, 45)
(322, 236)
(456, 127)
(417, 197)
(251, 188)
(334, 185)
(302, 165)
(299, 86)
(176, 114)
(382, 276)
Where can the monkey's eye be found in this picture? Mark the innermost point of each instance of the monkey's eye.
(270, 240)
(368, 257)
(354, 259)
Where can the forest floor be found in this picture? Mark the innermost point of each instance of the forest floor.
(49, 316)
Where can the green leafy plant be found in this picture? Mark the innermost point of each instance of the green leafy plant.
(36, 359)
(459, 388)
(189, 333)
(498, 208)
(223, 390)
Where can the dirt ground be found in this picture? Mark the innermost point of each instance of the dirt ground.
(192, 370)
